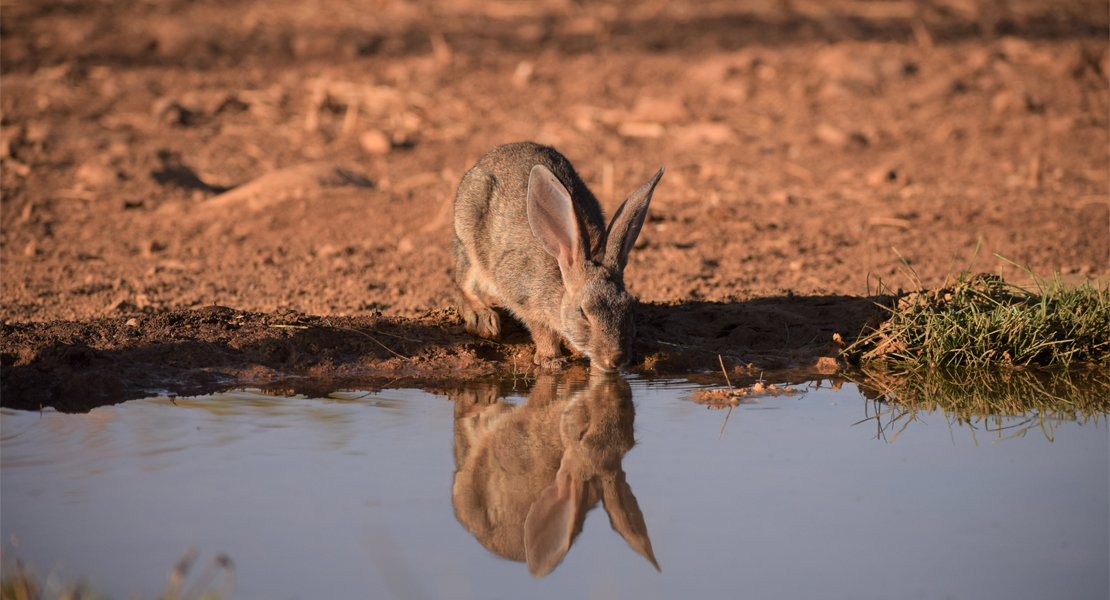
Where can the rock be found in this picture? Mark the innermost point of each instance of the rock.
(284, 184)
(881, 175)
(944, 131)
(9, 134)
(97, 176)
(714, 134)
(1002, 101)
(659, 110)
(17, 167)
(375, 142)
(830, 135)
(170, 112)
(634, 129)
(522, 74)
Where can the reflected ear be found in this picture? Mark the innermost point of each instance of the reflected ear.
(626, 223)
(625, 516)
(552, 219)
(550, 526)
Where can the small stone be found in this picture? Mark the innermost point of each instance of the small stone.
(375, 142)
(659, 110)
(1002, 101)
(7, 136)
(880, 176)
(831, 135)
(523, 73)
(635, 129)
(710, 133)
(152, 247)
(97, 176)
(329, 250)
(944, 131)
(132, 323)
(17, 167)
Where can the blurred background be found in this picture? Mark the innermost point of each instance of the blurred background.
(273, 155)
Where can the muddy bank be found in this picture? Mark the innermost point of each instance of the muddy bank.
(190, 154)
(77, 365)
(287, 159)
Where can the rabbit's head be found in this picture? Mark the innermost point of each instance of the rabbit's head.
(597, 310)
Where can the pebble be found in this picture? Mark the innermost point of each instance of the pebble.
(634, 129)
(830, 135)
(375, 142)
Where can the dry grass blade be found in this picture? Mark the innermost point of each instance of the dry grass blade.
(360, 332)
(729, 413)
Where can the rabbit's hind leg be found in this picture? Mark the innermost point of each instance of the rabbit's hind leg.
(478, 317)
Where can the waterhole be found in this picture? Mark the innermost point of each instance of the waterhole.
(562, 488)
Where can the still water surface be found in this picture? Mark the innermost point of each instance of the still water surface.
(406, 494)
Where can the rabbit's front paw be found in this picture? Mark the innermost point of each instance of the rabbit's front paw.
(551, 364)
(484, 323)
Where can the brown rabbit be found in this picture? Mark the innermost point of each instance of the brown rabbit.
(526, 475)
(531, 237)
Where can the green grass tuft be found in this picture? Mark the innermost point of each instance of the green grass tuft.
(981, 321)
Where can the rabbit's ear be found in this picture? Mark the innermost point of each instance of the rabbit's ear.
(550, 526)
(625, 515)
(551, 216)
(626, 224)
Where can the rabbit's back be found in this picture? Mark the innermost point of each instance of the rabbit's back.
(493, 195)
(491, 222)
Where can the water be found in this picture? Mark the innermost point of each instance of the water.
(358, 495)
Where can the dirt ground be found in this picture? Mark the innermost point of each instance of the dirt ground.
(296, 163)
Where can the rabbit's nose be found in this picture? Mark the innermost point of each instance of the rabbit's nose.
(609, 363)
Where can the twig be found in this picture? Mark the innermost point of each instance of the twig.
(725, 423)
(375, 340)
(697, 349)
(330, 326)
(729, 413)
(722, 361)
(392, 335)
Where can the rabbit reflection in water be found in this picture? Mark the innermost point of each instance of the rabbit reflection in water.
(525, 475)
(530, 236)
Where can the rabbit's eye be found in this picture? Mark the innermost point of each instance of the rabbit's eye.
(582, 313)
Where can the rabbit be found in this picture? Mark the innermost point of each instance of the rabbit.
(530, 236)
(526, 475)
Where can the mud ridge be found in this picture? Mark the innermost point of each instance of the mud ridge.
(75, 366)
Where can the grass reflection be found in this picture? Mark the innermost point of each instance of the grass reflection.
(1005, 404)
(18, 581)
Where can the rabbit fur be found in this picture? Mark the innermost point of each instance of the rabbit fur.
(531, 237)
(525, 476)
